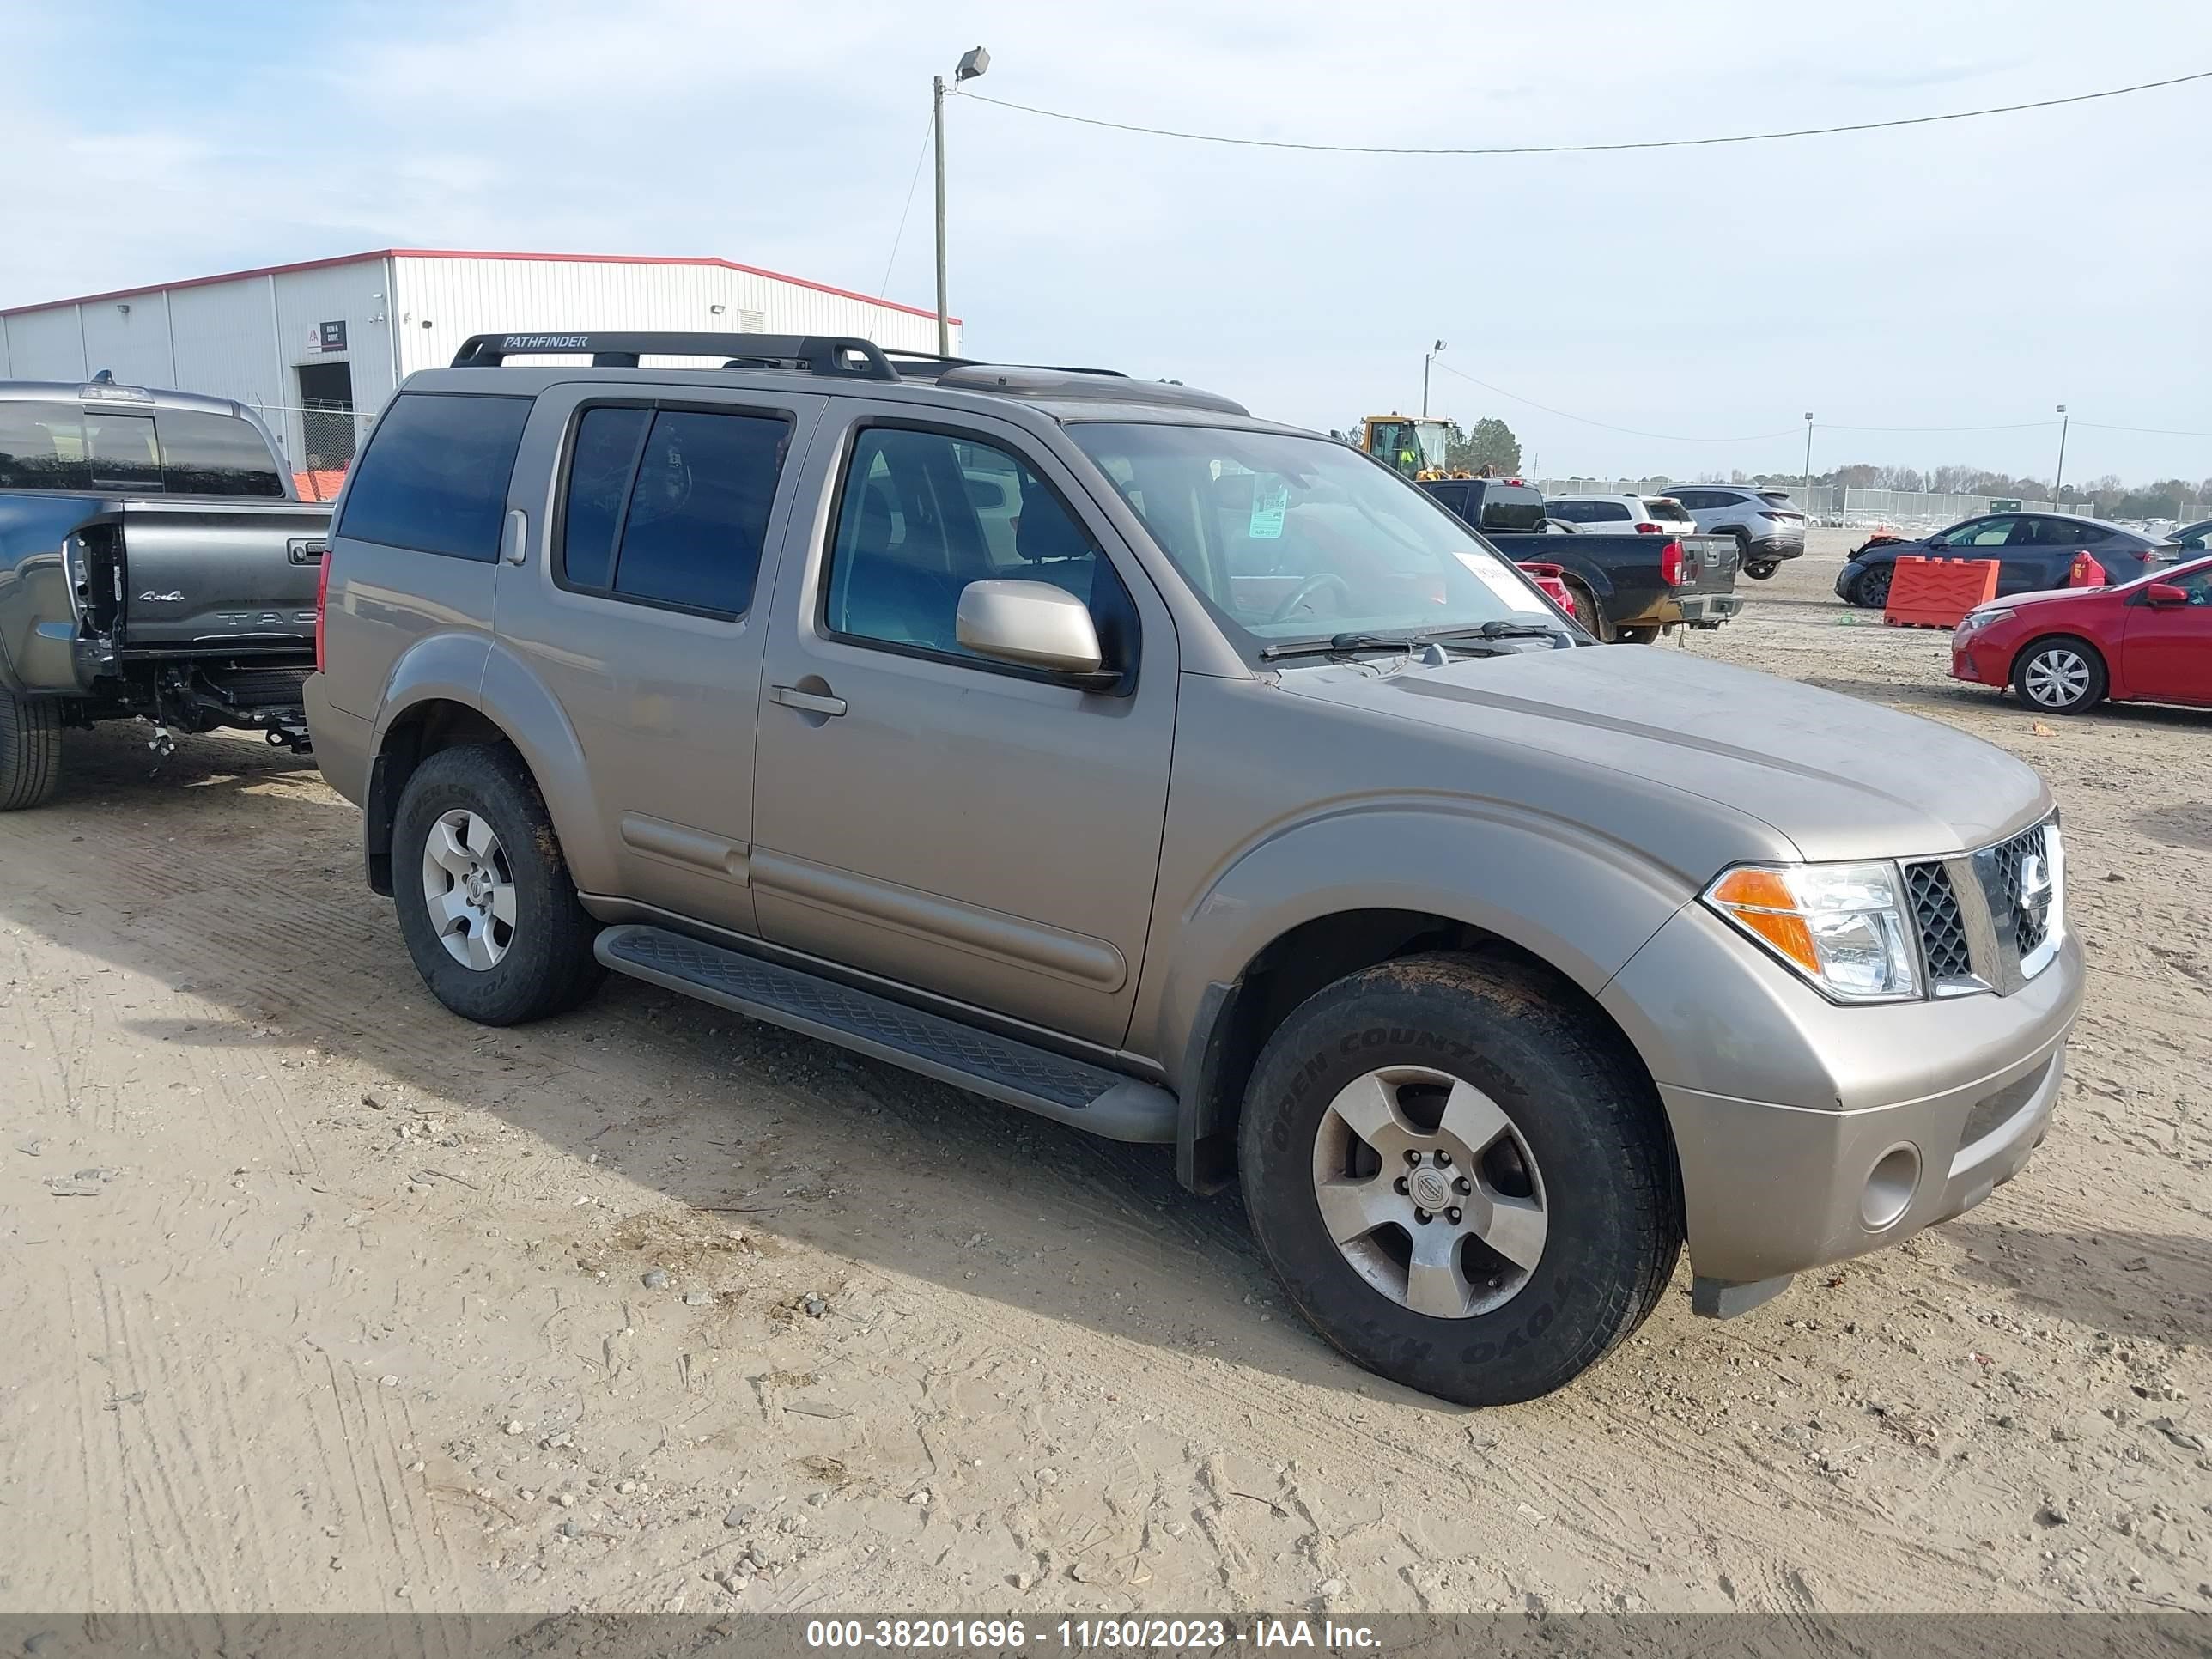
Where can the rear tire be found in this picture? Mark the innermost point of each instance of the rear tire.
(1588, 613)
(1762, 569)
(472, 822)
(1571, 1171)
(2060, 675)
(30, 751)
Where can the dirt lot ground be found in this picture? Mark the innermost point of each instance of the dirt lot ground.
(319, 1298)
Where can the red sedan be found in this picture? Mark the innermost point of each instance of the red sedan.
(2146, 640)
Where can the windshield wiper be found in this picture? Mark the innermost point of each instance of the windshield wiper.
(1346, 642)
(1515, 630)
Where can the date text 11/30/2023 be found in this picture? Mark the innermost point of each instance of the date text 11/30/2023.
(1089, 1635)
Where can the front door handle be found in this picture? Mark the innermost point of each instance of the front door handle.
(811, 702)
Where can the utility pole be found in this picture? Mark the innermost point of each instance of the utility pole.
(1426, 358)
(1808, 463)
(971, 64)
(2060, 476)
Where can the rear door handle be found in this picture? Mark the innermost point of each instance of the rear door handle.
(811, 702)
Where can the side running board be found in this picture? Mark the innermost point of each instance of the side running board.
(1070, 1092)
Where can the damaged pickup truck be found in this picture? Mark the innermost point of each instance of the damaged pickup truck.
(154, 564)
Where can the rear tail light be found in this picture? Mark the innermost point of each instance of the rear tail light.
(1646, 527)
(322, 602)
(1676, 567)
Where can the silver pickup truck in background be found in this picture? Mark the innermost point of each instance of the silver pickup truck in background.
(154, 564)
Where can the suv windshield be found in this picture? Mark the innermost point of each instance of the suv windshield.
(1298, 538)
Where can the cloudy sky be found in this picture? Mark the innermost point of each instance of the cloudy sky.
(1971, 274)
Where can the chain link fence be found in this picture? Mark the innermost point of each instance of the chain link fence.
(319, 441)
(1855, 509)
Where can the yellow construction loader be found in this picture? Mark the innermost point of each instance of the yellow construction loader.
(1414, 447)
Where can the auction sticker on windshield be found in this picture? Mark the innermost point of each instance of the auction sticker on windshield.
(1501, 582)
(1270, 500)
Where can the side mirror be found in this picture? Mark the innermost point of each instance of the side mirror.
(2165, 594)
(1033, 624)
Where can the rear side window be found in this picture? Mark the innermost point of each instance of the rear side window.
(1777, 498)
(1606, 512)
(42, 448)
(434, 478)
(214, 455)
(1571, 512)
(1512, 506)
(671, 506)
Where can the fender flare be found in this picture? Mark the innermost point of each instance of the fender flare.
(1580, 903)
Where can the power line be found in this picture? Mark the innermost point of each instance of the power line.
(884, 286)
(1576, 149)
(2160, 431)
(2014, 426)
(1634, 432)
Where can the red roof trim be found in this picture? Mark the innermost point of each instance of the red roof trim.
(465, 253)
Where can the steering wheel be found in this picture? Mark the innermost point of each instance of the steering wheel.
(1309, 588)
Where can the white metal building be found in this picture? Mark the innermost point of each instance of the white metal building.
(303, 343)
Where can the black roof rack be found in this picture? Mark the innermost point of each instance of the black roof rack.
(837, 355)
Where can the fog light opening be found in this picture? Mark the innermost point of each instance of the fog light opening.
(1889, 1185)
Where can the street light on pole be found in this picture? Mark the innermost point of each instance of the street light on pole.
(1426, 358)
(2060, 477)
(1808, 461)
(971, 64)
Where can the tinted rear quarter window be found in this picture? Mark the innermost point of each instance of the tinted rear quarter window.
(204, 454)
(434, 478)
(42, 448)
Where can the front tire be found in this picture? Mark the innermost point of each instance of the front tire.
(486, 902)
(30, 751)
(2060, 676)
(1871, 591)
(1473, 1091)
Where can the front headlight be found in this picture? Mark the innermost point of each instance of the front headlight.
(1974, 619)
(1845, 927)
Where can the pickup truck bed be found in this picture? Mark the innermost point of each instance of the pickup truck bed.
(1623, 578)
(151, 599)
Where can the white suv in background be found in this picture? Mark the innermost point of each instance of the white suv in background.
(1618, 516)
(1767, 525)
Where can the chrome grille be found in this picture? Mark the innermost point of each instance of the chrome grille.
(2016, 861)
(1942, 928)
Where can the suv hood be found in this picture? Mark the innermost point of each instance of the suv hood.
(1837, 777)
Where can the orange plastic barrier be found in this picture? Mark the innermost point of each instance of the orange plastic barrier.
(1936, 593)
(319, 486)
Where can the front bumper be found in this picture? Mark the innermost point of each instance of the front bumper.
(1808, 1133)
(1847, 579)
(1978, 661)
